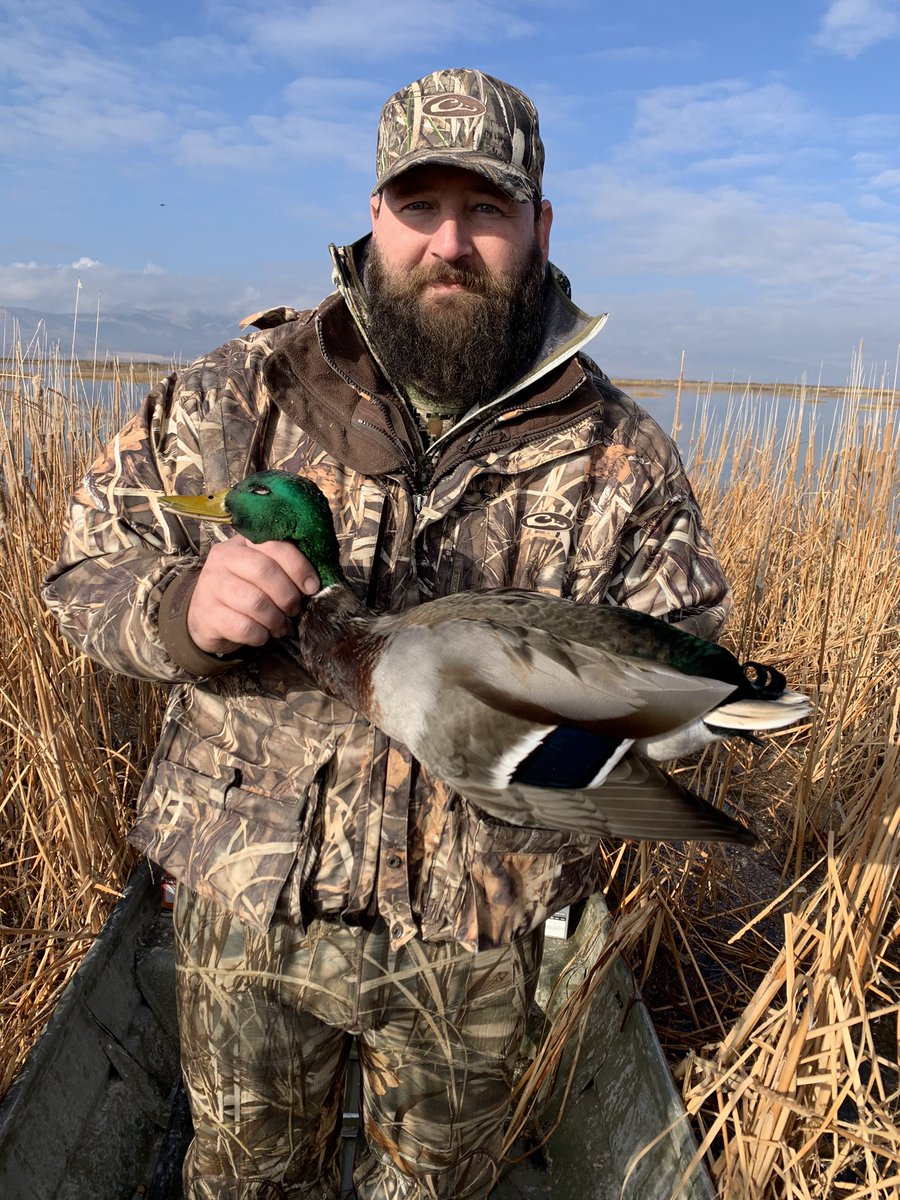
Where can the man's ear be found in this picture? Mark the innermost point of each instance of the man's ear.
(542, 228)
(374, 208)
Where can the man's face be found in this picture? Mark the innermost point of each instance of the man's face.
(434, 214)
(455, 281)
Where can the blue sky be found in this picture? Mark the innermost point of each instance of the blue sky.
(725, 177)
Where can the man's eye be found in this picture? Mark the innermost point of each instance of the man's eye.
(417, 205)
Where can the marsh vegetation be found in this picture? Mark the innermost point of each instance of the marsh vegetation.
(773, 976)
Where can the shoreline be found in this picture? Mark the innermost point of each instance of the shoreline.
(149, 370)
(811, 390)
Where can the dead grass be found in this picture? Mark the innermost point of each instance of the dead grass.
(773, 977)
(798, 1096)
(73, 739)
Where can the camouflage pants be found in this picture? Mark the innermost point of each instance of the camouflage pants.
(266, 1021)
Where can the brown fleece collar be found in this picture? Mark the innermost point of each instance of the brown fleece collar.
(323, 378)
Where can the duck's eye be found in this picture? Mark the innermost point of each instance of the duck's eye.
(260, 489)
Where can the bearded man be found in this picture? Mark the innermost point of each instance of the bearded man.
(328, 887)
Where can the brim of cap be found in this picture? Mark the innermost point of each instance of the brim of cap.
(504, 176)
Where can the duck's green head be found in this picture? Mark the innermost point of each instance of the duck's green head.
(273, 506)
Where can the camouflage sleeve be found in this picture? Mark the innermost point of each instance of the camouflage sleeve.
(668, 567)
(120, 554)
(660, 558)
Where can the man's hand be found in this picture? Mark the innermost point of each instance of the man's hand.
(247, 593)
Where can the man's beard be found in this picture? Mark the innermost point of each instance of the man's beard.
(461, 348)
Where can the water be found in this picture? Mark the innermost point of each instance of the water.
(768, 408)
(751, 416)
(830, 419)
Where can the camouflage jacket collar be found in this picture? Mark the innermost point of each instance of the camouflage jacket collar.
(325, 376)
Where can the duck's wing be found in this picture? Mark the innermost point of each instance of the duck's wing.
(636, 800)
(619, 630)
(536, 730)
(434, 680)
(485, 705)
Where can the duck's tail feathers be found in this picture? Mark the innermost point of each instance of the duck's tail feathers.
(759, 714)
(767, 682)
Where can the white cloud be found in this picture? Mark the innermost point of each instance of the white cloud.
(730, 163)
(849, 27)
(320, 120)
(265, 143)
(743, 239)
(202, 57)
(69, 86)
(684, 51)
(887, 179)
(224, 146)
(378, 31)
(145, 309)
(86, 87)
(716, 225)
(316, 138)
(323, 94)
(80, 124)
(51, 288)
(699, 119)
(734, 213)
(742, 279)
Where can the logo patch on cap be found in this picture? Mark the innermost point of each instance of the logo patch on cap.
(453, 104)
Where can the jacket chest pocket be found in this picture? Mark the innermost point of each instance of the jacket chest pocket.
(374, 528)
(503, 533)
(229, 828)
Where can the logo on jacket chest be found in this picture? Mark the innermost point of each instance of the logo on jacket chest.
(548, 520)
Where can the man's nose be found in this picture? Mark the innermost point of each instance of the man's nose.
(451, 240)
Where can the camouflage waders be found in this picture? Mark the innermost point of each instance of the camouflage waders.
(266, 1020)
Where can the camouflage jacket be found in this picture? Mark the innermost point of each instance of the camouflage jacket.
(264, 794)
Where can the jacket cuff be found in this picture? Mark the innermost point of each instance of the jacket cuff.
(173, 630)
(705, 623)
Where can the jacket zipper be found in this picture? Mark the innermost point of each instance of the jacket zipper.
(478, 434)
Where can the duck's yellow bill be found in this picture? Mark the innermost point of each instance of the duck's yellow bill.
(207, 508)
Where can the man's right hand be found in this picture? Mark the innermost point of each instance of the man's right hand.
(247, 593)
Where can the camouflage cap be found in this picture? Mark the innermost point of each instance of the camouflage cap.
(463, 118)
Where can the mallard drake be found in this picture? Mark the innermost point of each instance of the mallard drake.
(542, 712)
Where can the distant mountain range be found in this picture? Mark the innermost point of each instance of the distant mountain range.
(131, 334)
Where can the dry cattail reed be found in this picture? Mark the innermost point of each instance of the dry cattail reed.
(72, 738)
